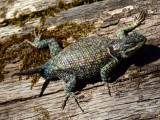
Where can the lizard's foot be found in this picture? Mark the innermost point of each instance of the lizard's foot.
(36, 39)
(37, 36)
(71, 94)
(141, 16)
(108, 85)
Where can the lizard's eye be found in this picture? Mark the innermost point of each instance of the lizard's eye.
(127, 53)
(133, 44)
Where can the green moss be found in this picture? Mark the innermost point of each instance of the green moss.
(2, 65)
(9, 52)
(44, 113)
(32, 57)
(67, 29)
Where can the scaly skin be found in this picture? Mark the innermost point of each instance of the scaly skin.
(87, 58)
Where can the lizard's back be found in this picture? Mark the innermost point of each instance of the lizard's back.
(85, 58)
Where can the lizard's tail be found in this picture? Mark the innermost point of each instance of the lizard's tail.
(29, 72)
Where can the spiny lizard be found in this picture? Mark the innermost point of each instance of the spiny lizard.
(87, 57)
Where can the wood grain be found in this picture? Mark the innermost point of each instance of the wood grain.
(17, 101)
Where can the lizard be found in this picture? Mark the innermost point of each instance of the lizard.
(87, 57)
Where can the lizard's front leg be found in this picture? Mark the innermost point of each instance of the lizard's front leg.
(121, 32)
(52, 43)
(105, 71)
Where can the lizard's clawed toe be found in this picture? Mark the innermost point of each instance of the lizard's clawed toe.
(71, 94)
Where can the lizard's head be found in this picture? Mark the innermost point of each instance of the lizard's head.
(131, 44)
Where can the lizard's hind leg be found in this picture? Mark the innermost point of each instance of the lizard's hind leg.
(52, 43)
(70, 85)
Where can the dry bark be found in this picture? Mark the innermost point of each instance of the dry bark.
(18, 101)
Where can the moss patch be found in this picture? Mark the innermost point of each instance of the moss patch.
(32, 57)
(69, 29)
(44, 113)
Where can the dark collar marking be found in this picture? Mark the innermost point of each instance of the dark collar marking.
(115, 53)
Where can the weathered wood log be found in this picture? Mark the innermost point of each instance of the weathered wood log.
(128, 101)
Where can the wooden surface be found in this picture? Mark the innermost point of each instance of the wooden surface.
(18, 102)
